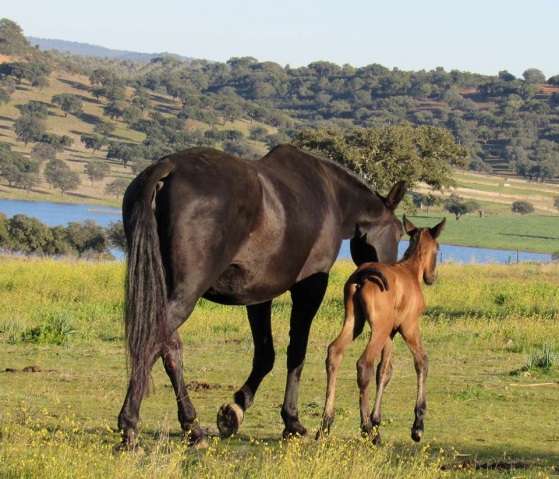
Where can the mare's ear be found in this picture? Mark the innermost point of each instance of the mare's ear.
(409, 227)
(437, 230)
(395, 196)
(361, 251)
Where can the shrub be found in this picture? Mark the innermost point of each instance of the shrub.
(522, 207)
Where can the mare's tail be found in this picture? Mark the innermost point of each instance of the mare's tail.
(367, 274)
(146, 289)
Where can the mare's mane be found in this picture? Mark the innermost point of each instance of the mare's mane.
(339, 168)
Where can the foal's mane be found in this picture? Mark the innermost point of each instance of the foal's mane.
(412, 247)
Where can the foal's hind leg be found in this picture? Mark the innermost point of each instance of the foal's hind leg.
(353, 326)
(365, 371)
(412, 336)
(384, 374)
(173, 363)
(230, 416)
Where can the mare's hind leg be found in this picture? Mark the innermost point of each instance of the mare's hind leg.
(412, 336)
(353, 326)
(173, 363)
(306, 296)
(130, 412)
(230, 416)
(384, 374)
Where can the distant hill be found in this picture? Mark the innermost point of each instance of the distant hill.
(86, 49)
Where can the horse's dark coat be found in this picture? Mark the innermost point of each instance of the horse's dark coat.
(204, 223)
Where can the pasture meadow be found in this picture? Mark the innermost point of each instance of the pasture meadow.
(491, 332)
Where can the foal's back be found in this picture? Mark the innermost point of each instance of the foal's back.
(387, 292)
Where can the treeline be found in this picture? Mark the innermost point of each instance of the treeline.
(504, 121)
(27, 235)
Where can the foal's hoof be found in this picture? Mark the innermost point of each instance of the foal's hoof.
(371, 432)
(416, 434)
(229, 418)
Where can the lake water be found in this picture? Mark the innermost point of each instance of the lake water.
(54, 214)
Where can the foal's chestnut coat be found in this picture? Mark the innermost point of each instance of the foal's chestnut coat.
(390, 299)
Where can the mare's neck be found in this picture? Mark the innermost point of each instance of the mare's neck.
(357, 201)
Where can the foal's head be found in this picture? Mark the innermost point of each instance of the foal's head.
(424, 247)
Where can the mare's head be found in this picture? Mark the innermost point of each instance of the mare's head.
(377, 240)
(424, 247)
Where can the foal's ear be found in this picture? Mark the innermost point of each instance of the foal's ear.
(437, 230)
(395, 196)
(409, 227)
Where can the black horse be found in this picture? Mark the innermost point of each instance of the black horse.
(203, 223)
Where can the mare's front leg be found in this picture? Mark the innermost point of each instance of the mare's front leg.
(412, 336)
(230, 416)
(306, 296)
(173, 362)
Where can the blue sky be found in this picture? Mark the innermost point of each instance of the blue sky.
(480, 36)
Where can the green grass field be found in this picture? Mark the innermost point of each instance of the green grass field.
(539, 234)
(491, 333)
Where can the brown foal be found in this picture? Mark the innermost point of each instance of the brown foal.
(390, 299)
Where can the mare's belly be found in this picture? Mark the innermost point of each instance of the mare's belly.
(239, 286)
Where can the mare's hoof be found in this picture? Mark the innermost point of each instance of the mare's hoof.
(296, 430)
(416, 434)
(229, 418)
(199, 444)
(128, 443)
(127, 446)
(195, 438)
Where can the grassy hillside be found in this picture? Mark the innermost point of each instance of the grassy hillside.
(74, 126)
(496, 193)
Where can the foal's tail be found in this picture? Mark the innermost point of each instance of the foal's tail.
(367, 274)
(146, 289)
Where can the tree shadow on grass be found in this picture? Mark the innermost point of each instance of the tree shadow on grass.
(503, 459)
(90, 119)
(75, 84)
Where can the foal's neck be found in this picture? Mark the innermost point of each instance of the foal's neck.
(413, 260)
